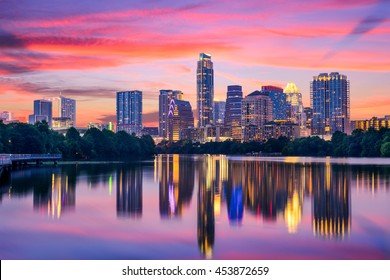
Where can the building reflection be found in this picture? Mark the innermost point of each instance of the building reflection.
(129, 192)
(57, 198)
(176, 184)
(235, 192)
(206, 218)
(370, 178)
(331, 201)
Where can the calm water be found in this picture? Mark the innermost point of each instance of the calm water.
(184, 207)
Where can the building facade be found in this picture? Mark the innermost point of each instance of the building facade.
(129, 111)
(7, 116)
(219, 112)
(205, 90)
(256, 111)
(68, 109)
(295, 111)
(180, 116)
(329, 98)
(165, 97)
(374, 123)
(279, 104)
(233, 111)
(276, 129)
(43, 111)
(309, 118)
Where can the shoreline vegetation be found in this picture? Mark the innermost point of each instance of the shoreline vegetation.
(96, 145)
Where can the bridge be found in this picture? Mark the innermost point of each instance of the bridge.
(9, 160)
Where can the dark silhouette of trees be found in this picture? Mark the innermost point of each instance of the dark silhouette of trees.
(21, 138)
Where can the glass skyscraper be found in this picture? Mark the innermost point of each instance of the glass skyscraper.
(129, 111)
(219, 112)
(279, 104)
(233, 111)
(329, 98)
(180, 116)
(205, 90)
(42, 112)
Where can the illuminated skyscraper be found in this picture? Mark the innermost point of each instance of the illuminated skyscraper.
(295, 112)
(219, 112)
(256, 111)
(166, 95)
(233, 111)
(279, 105)
(179, 116)
(205, 90)
(68, 109)
(129, 111)
(329, 98)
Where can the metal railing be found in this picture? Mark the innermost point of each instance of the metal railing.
(16, 157)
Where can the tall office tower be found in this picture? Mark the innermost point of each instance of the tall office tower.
(42, 112)
(256, 111)
(233, 111)
(129, 111)
(279, 104)
(329, 98)
(165, 97)
(180, 116)
(68, 109)
(219, 112)
(295, 113)
(309, 117)
(205, 90)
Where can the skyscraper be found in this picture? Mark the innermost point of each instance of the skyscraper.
(256, 110)
(129, 111)
(180, 116)
(233, 111)
(165, 97)
(219, 112)
(329, 98)
(279, 105)
(295, 113)
(205, 90)
(68, 109)
(42, 112)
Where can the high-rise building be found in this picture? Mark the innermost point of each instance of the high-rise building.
(165, 97)
(295, 113)
(256, 111)
(180, 116)
(42, 112)
(329, 98)
(279, 104)
(233, 111)
(129, 111)
(205, 90)
(219, 112)
(309, 118)
(68, 109)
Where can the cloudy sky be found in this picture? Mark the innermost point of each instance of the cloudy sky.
(90, 49)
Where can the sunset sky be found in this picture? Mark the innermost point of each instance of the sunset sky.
(89, 49)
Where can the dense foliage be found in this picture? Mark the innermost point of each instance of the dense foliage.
(359, 144)
(21, 138)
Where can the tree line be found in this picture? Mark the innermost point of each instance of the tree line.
(22, 138)
(372, 143)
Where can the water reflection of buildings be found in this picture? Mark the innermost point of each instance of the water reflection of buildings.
(176, 184)
(57, 198)
(206, 217)
(129, 192)
(331, 201)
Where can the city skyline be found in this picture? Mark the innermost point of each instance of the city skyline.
(100, 49)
